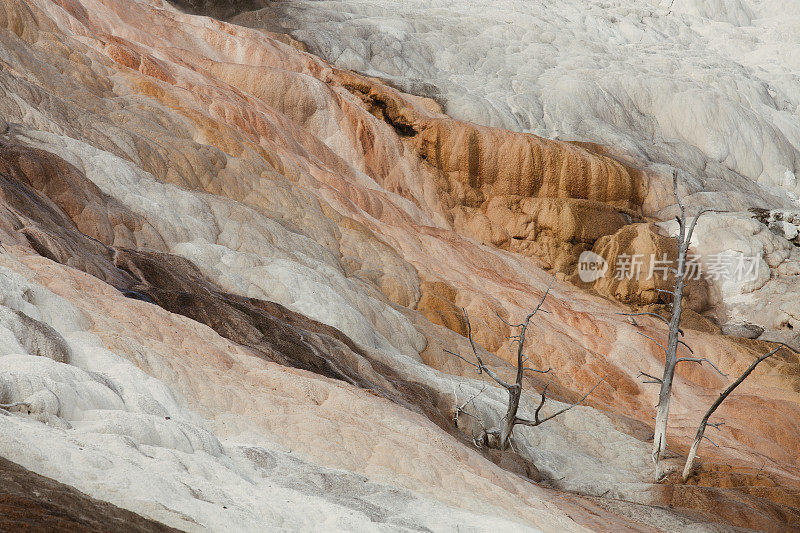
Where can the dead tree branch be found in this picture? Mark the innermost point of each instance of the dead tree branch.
(652, 339)
(541, 403)
(462, 408)
(500, 436)
(683, 238)
(651, 378)
(537, 370)
(685, 345)
(536, 420)
(479, 366)
(700, 360)
(687, 469)
(655, 315)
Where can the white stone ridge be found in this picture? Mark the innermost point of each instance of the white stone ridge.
(93, 419)
(160, 414)
(710, 88)
(262, 259)
(259, 259)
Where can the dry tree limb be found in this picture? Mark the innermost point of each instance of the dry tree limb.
(537, 370)
(536, 421)
(651, 378)
(674, 342)
(687, 469)
(541, 403)
(683, 238)
(644, 313)
(515, 390)
(500, 436)
(700, 360)
(685, 345)
(525, 360)
(652, 339)
(461, 409)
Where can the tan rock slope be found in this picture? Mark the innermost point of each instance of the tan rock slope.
(230, 272)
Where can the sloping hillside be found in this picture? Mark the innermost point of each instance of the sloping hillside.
(230, 272)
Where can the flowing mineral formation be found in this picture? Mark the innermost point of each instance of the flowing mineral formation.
(232, 270)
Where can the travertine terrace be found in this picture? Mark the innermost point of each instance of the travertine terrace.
(230, 270)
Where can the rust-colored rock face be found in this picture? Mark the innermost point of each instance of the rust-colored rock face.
(639, 258)
(547, 199)
(231, 275)
(486, 163)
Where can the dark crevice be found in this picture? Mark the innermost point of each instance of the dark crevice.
(136, 295)
(383, 110)
(403, 129)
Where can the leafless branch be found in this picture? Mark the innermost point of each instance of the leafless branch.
(500, 436)
(687, 469)
(541, 403)
(652, 339)
(481, 366)
(463, 359)
(700, 360)
(541, 302)
(652, 379)
(506, 322)
(525, 422)
(654, 315)
(537, 370)
(461, 407)
(697, 216)
(682, 218)
(683, 239)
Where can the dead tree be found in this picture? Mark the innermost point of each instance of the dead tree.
(687, 469)
(674, 340)
(499, 436)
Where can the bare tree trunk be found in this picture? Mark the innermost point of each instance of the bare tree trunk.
(671, 360)
(683, 239)
(671, 351)
(687, 469)
(500, 437)
(514, 394)
(515, 390)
